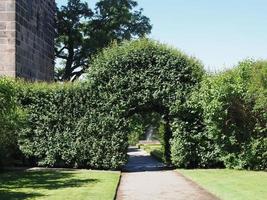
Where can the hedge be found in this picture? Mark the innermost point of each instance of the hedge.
(229, 114)
(142, 77)
(11, 120)
(191, 146)
(216, 120)
(55, 135)
(87, 124)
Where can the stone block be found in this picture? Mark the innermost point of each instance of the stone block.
(8, 58)
(8, 73)
(3, 26)
(2, 67)
(7, 16)
(3, 41)
(2, 6)
(11, 25)
(10, 6)
(7, 34)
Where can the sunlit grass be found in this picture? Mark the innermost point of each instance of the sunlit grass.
(231, 184)
(57, 185)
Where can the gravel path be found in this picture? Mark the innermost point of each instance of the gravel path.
(146, 179)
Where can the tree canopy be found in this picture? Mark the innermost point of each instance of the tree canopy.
(82, 31)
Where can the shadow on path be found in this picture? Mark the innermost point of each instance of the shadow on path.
(140, 161)
(145, 178)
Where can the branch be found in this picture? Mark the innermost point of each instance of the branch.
(59, 52)
(79, 65)
(76, 75)
(62, 57)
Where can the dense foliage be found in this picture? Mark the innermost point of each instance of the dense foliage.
(82, 32)
(55, 133)
(145, 126)
(191, 148)
(142, 77)
(11, 119)
(229, 114)
(216, 120)
(87, 124)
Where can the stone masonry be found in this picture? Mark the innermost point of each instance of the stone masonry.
(27, 39)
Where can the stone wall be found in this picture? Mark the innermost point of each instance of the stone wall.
(7, 37)
(27, 38)
(35, 39)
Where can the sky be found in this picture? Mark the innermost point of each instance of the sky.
(220, 33)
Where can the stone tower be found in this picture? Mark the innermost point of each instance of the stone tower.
(27, 39)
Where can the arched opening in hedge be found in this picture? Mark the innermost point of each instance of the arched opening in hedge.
(141, 76)
(162, 111)
(87, 124)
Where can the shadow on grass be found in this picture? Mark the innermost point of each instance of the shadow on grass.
(10, 195)
(35, 180)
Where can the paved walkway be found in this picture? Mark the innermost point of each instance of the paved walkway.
(146, 179)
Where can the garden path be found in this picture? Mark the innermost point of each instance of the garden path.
(144, 178)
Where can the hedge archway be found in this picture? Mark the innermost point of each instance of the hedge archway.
(86, 124)
(139, 76)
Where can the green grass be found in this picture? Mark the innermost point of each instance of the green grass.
(154, 150)
(150, 147)
(57, 185)
(231, 184)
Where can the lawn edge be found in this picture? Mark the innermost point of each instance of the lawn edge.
(117, 187)
(197, 184)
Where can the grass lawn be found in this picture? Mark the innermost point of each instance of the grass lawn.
(154, 150)
(231, 184)
(60, 184)
(150, 147)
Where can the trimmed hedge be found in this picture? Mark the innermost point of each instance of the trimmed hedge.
(87, 124)
(11, 120)
(228, 126)
(142, 77)
(232, 118)
(56, 135)
(191, 146)
(212, 121)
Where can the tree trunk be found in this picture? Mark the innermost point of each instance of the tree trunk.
(68, 67)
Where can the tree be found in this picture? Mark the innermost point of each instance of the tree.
(83, 32)
(70, 41)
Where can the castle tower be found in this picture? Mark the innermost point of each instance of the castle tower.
(27, 38)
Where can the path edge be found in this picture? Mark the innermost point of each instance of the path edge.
(117, 188)
(195, 183)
